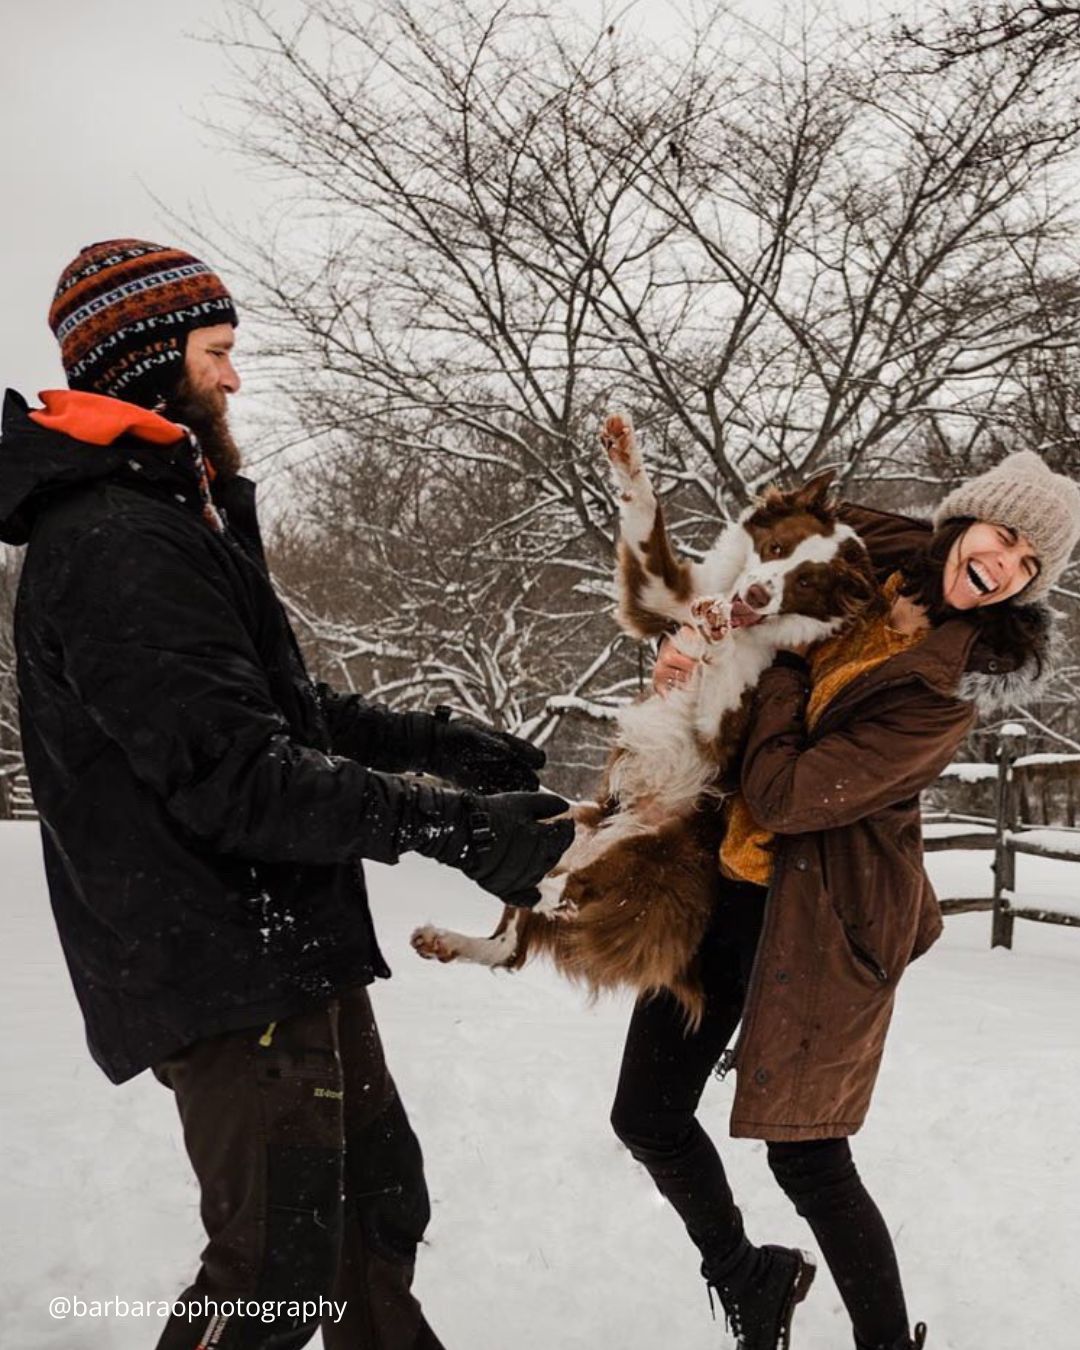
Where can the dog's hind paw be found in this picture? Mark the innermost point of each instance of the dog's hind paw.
(433, 944)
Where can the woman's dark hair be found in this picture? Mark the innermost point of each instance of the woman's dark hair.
(1008, 626)
(924, 570)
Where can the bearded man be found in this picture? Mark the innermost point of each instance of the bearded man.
(204, 808)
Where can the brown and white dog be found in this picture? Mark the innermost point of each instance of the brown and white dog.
(631, 898)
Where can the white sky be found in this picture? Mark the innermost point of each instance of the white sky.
(99, 109)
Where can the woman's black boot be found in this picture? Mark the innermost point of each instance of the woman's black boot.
(904, 1343)
(760, 1294)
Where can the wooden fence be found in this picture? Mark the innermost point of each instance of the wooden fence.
(1024, 786)
(16, 799)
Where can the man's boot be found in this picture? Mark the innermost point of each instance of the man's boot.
(759, 1294)
(904, 1343)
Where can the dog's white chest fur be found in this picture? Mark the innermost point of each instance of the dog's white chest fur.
(667, 742)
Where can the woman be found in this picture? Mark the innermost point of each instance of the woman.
(841, 744)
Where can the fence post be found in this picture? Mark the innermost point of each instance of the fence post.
(1010, 748)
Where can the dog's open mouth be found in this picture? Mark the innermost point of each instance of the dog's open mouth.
(742, 616)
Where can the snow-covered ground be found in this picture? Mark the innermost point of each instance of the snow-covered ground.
(546, 1236)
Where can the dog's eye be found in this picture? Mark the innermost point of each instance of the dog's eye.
(775, 550)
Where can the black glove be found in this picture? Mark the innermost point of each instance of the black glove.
(501, 842)
(475, 756)
(510, 848)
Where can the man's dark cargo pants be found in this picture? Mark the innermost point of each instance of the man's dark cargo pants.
(312, 1186)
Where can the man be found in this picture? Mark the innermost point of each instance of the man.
(204, 808)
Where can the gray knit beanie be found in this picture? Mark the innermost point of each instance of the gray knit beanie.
(1024, 494)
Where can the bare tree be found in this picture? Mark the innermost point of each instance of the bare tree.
(1038, 27)
(409, 578)
(777, 251)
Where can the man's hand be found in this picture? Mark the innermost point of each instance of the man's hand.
(514, 843)
(673, 667)
(473, 755)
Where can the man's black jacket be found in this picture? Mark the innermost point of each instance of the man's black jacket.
(203, 804)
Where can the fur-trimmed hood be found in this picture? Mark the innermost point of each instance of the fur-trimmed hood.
(1014, 662)
(998, 656)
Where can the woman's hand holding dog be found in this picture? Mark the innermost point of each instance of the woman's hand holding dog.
(673, 667)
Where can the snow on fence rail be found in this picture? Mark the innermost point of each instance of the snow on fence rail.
(1021, 781)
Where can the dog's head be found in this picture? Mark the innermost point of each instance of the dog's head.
(803, 564)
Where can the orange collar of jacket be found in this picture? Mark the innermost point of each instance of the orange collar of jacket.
(98, 420)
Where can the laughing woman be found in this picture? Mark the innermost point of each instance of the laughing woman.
(825, 899)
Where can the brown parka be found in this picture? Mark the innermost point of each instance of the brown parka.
(850, 905)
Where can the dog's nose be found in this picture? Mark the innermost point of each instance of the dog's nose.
(757, 597)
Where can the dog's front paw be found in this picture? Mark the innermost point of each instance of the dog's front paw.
(433, 944)
(712, 614)
(618, 439)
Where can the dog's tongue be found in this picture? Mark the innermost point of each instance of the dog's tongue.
(742, 616)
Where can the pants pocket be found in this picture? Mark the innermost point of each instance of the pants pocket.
(299, 1078)
(386, 1186)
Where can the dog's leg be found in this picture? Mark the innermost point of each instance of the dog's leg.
(553, 902)
(497, 951)
(508, 945)
(654, 583)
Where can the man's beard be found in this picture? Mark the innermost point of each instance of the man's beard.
(205, 414)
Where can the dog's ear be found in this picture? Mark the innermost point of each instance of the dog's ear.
(814, 494)
(859, 592)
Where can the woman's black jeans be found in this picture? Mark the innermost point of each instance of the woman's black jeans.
(664, 1071)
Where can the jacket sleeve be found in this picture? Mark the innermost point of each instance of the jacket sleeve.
(890, 538)
(375, 735)
(892, 748)
(154, 645)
